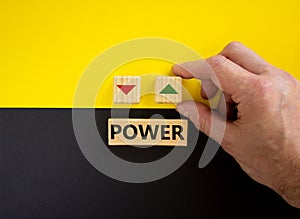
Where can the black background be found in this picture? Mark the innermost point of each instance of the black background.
(43, 174)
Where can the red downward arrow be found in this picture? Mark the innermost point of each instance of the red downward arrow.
(126, 88)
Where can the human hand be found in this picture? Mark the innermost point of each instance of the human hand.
(262, 115)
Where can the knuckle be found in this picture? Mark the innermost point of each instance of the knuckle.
(267, 69)
(217, 61)
(203, 126)
(226, 146)
(263, 85)
(276, 77)
(233, 45)
(264, 90)
(292, 82)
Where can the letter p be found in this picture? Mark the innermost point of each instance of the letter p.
(115, 129)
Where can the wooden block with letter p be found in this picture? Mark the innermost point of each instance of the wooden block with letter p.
(168, 89)
(126, 89)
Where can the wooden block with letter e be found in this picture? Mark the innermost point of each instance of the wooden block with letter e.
(168, 89)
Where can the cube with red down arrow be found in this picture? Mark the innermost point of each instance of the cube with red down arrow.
(126, 89)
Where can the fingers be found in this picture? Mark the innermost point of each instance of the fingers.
(227, 75)
(227, 108)
(187, 70)
(233, 60)
(208, 89)
(224, 74)
(202, 116)
(245, 57)
(198, 113)
(182, 71)
(195, 69)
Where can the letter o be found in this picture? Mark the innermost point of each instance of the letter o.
(125, 131)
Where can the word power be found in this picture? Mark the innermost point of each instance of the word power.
(152, 132)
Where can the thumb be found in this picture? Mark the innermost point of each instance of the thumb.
(193, 110)
(209, 122)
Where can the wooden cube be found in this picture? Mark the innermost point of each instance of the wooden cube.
(168, 89)
(126, 89)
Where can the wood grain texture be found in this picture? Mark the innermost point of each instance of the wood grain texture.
(152, 132)
(126, 89)
(168, 89)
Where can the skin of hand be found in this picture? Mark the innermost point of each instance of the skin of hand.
(262, 115)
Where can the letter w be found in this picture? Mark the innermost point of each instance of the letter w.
(148, 129)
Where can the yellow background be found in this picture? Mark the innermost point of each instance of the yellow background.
(46, 45)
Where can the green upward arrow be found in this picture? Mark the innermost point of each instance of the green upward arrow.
(168, 90)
